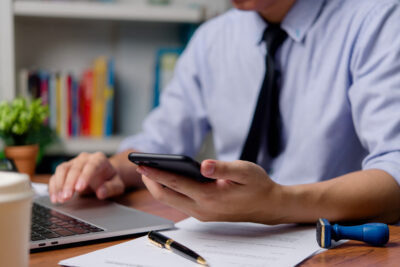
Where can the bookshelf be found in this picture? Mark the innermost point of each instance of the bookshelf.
(70, 147)
(69, 35)
(109, 11)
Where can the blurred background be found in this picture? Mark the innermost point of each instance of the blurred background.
(100, 65)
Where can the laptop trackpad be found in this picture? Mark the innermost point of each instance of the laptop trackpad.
(102, 213)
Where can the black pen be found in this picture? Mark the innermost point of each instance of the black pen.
(165, 242)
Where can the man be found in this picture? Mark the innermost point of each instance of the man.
(339, 105)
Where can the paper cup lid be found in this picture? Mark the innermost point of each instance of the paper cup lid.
(14, 186)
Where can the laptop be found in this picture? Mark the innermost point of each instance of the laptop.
(82, 218)
(85, 219)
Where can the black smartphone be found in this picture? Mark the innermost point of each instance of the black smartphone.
(178, 164)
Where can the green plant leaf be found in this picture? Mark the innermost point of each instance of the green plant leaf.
(22, 122)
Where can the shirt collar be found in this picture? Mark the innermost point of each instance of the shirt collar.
(297, 22)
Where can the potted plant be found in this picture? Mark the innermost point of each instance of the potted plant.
(23, 130)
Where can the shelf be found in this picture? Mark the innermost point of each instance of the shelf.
(125, 11)
(74, 146)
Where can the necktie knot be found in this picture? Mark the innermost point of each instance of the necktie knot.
(274, 36)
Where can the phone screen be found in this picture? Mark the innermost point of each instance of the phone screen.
(178, 164)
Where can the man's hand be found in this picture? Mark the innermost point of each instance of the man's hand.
(85, 173)
(242, 192)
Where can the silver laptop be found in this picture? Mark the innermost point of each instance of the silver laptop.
(84, 219)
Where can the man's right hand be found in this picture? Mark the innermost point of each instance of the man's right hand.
(85, 173)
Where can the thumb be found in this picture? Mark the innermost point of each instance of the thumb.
(110, 188)
(237, 171)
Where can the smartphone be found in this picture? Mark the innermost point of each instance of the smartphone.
(178, 164)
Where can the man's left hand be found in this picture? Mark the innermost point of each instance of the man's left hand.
(242, 191)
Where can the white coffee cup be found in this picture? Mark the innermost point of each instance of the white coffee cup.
(15, 218)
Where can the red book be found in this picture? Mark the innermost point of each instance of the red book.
(86, 94)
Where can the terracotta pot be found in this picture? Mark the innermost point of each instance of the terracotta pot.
(24, 157)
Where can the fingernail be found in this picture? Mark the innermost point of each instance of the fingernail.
(102, 192)
(80, 185)
(209, 168)
(142, 170)
(67, 193)
(60, 197)
(53, 198)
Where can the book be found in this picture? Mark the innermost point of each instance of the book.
(109, 100)
(69, 105)
(53, 101)
(99, 83)
(58, 103)
(79, 106)
(75, 116)
(44, 86)
(166, 59)
(86, 96)
(33, 84)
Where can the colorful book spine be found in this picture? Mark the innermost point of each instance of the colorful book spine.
(63, 106)
(86, 102)
(34, 84)
(97, 118)
(69, 105)
(109, 100)
(58, 104)
(44, 86)
(166, 60)
(75, 109)
(53, 101)
(78, 107)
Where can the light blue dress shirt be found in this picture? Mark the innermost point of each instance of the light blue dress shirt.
(339, 100)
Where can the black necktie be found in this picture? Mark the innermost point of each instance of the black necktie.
(267, 115)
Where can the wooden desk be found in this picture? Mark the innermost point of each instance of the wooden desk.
(348, 254)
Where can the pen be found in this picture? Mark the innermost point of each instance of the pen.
(165, 242)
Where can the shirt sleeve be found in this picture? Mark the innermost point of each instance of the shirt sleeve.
(179, 124)
(375, 91)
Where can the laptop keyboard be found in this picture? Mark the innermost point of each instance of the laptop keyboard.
(48, 224)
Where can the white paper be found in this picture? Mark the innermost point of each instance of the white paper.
(221, 244)
(40, 189)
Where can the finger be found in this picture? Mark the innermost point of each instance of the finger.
(52, 189)
(178, 183)
(59, 179)
(169, 197)
(72, 177)
(237, 171)
(113, 187)
(94, 173)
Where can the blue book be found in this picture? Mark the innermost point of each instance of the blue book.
(166, 59)
(109, 99)
(75, 108)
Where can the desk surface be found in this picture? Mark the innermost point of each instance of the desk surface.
(349, 254)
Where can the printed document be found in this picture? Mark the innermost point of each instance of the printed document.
(221, 244)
